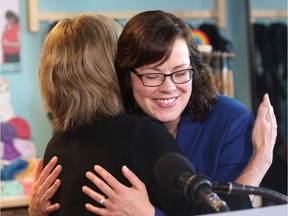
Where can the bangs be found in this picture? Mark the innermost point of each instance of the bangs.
(156, 45)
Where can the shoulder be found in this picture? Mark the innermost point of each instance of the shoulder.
(227, 110)
(133, 127)
(122, 121)
(227, 103)
(226, 107)
(148, 133)
(138, 127)
(140, 122)
(133, 117)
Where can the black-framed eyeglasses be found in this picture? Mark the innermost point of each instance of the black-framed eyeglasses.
(157, 79)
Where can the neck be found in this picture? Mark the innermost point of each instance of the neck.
(172, 127)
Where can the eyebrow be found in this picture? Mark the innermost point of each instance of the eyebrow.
(157, 69)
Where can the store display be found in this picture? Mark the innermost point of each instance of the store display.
(216, 56)
(18, 153)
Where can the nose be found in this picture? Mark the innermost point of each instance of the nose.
(168, 85)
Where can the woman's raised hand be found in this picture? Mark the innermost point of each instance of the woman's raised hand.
(264, 135)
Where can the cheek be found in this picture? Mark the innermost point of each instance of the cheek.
(187, 88)
(190, 88)
(142, 95)
(139, 90)
(186, 93)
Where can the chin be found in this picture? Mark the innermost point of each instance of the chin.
(164, 119)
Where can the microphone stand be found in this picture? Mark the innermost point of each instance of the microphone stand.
(233, 188)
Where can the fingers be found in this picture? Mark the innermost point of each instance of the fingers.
(47, 183)
(54, 175)
(53, 207)
(105, 188)
(44, 187)
(94, 195)
(132, 178)
(95, 210)
(38, 169)
(264, 106)
(269, 115)
(121, 200)
(52, 190)
(266, 112)
(111, 181)
(265, 128)
(49, 191)
(44, 201)
(47, 170)
(51, 183)
(266, 98)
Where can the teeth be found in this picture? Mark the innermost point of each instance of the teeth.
(166, 101)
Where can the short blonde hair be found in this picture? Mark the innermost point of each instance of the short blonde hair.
(77, 78)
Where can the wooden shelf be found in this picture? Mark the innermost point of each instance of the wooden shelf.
(35, 16)
(271, 14)
(14, 202)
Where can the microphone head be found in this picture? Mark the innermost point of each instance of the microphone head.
(170, 168)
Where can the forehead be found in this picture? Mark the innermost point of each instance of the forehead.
(180, 48)
(179, 55)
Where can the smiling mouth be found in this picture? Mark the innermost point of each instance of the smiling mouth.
(166, 101)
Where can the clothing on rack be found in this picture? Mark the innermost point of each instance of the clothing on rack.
(270, 42)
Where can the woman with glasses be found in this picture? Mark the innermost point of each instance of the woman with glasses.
(161, 75)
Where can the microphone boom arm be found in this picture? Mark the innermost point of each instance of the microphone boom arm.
(233, 188)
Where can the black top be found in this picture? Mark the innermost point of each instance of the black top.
(113, 142)
(123, 140)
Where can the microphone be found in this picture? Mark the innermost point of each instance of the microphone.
(175, 172)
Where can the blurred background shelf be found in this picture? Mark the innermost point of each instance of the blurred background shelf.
(14, 202)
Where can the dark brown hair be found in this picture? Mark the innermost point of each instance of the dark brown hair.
(148, 38)
(11, 15)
